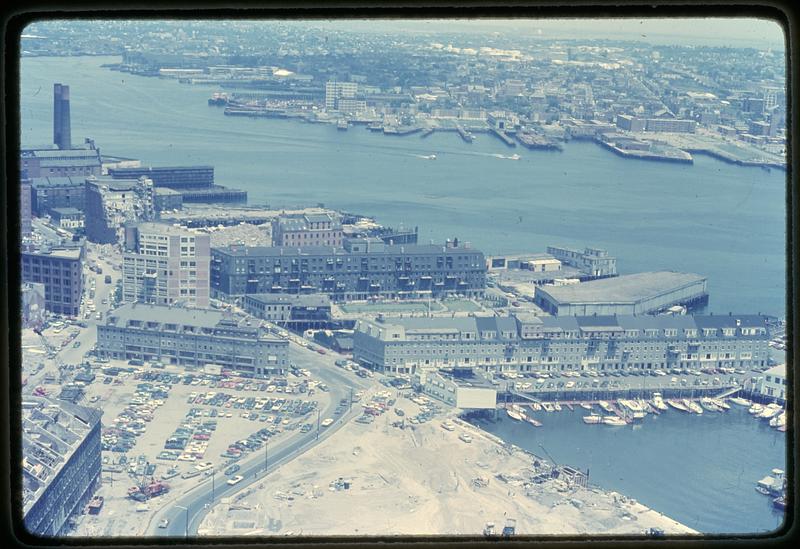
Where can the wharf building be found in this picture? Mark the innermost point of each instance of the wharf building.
(364, 268)
(634, 294)
(528, 344)
(49, 162)
(670, 125)
(194, 183)
(772, 386)
(315, 229)
(57, 192)
(594, 262)
(191, 337)
(165, 265)
(60, 270)
(61, 463)
(297, 312)
(110, 203)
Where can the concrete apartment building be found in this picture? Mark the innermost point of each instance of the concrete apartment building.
(363, 268)
(634, 294)
(60, 270)
(110, 203)
(527, 343)
(165, 265)
(321, 229)
(191, 337)
(61, 462)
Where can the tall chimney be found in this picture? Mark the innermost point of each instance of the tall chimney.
(62, 132)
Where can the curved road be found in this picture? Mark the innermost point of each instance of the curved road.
(195, 503)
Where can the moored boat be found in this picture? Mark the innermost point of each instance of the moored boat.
(614, 420)
(756, 409)
(720, 402)
(769, 411)
(658, 402)
(778, 420)
(739, 401)
(586, 406)
(533, 422)
(547, 407)
(678, 405)
(592, 419)
(606, 406)
(692, 406)
(557, 407)
(707, 404)
(513, 415)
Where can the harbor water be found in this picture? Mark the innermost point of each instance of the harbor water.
(719, 220)
(700, 470)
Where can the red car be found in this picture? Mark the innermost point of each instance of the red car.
(321, 351)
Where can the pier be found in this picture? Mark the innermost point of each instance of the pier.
(533, 141)
(503, 137)
(466, 136)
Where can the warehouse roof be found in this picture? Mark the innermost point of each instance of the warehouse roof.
(622, 289)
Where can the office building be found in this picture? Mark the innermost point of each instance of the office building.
(191, 337)
(464, 388)
(546, 344)
(339, 91)
(60, 270)
(297, 312)
(165, 265)
(634, 294)
(593, 262)
(110, 203)
(25, 207)
(630, 123)
(363, 268)
(62, 131)
(319, 229)
(61, 463)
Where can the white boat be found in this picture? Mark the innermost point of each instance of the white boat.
(614, 420)
(756, 409)
(536, 407)
(658, 402)
(706, 403)
(514, 157)
(606, 406)
(533, 422)
(692, 406)
(778, 420)
(720, 402)
(513, 415)
(547, 407)
(592, 419)
(586, 406)
(769, 411)
(517, 408)
(739, 401)
(677, 404)
(557, 407)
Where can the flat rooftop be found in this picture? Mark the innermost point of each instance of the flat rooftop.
(623, 289)
(51, 432)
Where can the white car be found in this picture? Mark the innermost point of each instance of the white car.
(164, 523)
(235, 480)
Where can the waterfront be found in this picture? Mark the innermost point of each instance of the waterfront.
(699, 470)
(720, 220)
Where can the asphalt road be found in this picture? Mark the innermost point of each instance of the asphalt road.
(195, 503)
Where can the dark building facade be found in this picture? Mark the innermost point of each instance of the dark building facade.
(174, 177)
(60, 269)
(362, 269)
(61, 463)
(62, 130)
(25, 208)
(294, 311)
(57, 192)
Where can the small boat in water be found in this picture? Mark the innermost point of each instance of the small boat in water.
(720, 403)
(778, 420)
(606, 406)
(514, 415)
(536, 407)
(707, 404)
(592, 419)
(547, 407)
(692, 406)
(739, 401)
(614, 420)
(658, 402)
(678, 405)
(770, 410)
(557, 407)
(756, 409)
(533, 422)
(586, 406)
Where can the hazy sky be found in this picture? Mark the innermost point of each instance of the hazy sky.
(734, 32)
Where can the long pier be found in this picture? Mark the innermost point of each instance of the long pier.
(503, 137)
